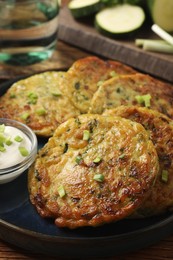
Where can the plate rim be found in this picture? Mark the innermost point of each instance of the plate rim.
(152, 227)
(55, 239)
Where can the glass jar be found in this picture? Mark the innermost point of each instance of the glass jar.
(28, 30)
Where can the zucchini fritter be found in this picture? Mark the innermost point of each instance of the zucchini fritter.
(133, 90)
(160, 129)
(94, 170)
(38, 102)
(84, 76)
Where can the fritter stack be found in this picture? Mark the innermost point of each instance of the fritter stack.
(110, 151)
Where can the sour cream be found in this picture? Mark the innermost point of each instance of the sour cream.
(11, 154)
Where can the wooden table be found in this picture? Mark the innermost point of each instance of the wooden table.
(63, 57)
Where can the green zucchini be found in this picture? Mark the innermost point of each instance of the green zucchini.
(162, 13)
(111, 2)
(115, 2)
(81, 8)
(119, 21)
(133, 2)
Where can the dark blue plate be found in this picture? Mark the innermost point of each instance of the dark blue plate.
(21, 225)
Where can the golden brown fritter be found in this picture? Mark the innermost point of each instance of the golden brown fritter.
(94, 170)
(138, 89)
(38, 102)
(85, 75)
(160, 129)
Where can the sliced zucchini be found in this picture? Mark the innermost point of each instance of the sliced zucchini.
(134, 2)
(111, 2)
(162, 13)
(119, 21)
(81, 8)
(115, 2)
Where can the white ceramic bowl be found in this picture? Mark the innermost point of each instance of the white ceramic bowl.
(10, 173)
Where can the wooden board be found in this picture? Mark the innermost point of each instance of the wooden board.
(81, 33)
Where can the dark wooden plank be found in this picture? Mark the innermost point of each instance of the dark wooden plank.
(160, 251)
(62, 58)
(81, 33)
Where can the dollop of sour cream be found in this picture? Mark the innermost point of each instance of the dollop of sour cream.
(14, 146)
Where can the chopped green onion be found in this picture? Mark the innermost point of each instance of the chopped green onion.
(144, 99)
(99, 177)
(154, 45)
(56, 94)
(12, 95)
(122, 156)
(2, 149)
(32, 95)
(2, 128)
(41, 112)
(78, 159)
(157, 46)
(2, 138)
(97, 160)
(32, 98)
(61, 191)
(86, 135)
(141, 42)
(164, 175)
(160, 47)
(113, 73)
(23, 151)
(99, 83)
(8, 141)
(18, 138)
(25, 116)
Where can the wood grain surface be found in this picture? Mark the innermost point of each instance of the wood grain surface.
(160, 251)
(63, 57)
(81, 33)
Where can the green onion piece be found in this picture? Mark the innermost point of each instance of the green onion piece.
(8, 141)
(99, 83)
(2, 128)
(141, 42)
(2, 149)
(86, 135)
(25, 116)
(12, 95)
(122, 156)
(99, 177)
(144, 99)
(113, 73)
(61, 191)
(97, 160)
(147, 99)
(78, 159)
(164, 175)
(32, 95)
(32, 98)
(139, 99)
(2, 138)
(158, 47)
(164, 46)
(56, 94)
(18, 138)
(23, 151)
(162, 33)
(41, 112)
